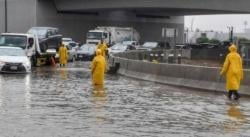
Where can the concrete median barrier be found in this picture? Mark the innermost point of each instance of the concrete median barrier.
(196, 77)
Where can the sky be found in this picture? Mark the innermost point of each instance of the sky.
(219, 22)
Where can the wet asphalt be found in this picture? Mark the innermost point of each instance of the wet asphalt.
(58, 102)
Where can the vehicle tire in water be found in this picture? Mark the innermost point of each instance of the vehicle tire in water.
(33, 61)
(73, 59)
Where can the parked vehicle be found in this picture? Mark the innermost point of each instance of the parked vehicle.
(74, 45)
(71, 53)
(66, 41)
(48, 37)
(86, 52)
(119, 47)
(181, 46)
(112, 35)
(149, 46)
(24, 41)
(14, 60)
(43, 32)
(47, 41)
(40, 43)
(209, 46)
(134, 44)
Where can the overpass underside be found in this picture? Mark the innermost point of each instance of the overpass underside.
(170, 7)
(149, 17)
(75, 17)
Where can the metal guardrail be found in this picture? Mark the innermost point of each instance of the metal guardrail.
(162, 56)
(167, 56)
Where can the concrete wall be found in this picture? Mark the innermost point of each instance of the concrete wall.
(198, 77)
(21, 15)
(70, 25)
(2, 17)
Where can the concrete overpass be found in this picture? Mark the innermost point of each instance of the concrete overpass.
(75, 17)
(169, 7)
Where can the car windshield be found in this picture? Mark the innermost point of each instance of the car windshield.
(119, 47)
(13, 41)
(94, 35)
(11, 52)
(149, 44)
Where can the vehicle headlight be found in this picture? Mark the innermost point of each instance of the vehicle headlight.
(2, 63)
(57, 55)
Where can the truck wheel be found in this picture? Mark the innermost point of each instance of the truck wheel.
(33, 61)
(73, 59)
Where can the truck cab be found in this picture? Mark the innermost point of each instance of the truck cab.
(95, 36)
(24, 41)
(112, 35)
(39, 51)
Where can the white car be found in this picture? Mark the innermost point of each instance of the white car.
(14, 60)
(149, 46)
(66, 41)
(74, 45)
(86, 52)
(119, 47)
(134, 44)
(71, 53)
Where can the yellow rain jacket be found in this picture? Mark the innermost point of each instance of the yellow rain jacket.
(103, 47)
(233, 69)
(63, 55)
(98, 67)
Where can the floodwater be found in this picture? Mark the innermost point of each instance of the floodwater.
(57, 102)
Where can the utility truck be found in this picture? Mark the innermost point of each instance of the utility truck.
(112, 35)
(38, 49)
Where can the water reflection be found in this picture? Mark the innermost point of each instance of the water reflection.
(99, 91)
(1, 90)
(236, 119)
(27, 89)
(64, 74)
(63, 100)
(99, 100)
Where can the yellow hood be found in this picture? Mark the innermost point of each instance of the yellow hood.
(98, 52)
(232, 48)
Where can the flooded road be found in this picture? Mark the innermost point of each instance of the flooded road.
(57, 102)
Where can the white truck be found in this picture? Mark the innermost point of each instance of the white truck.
(112, 35)
(30, 43)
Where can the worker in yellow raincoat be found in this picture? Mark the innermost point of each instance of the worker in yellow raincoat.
(63, 55)
(98, 68)
(234, 72)
(103, 47)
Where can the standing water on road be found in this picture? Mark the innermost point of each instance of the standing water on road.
(57, 102)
